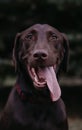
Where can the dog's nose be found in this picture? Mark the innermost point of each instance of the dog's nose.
(40, 55)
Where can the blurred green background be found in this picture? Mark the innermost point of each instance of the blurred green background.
(66, 16)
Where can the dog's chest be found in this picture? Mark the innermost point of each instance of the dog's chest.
(36, 116)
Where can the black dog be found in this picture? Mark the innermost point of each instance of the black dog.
(39, 54)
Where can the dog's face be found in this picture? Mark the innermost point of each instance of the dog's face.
(41, 49)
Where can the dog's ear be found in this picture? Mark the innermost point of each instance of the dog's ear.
(15, 51)
(64, 63)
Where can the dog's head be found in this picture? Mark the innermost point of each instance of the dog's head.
(41, 49)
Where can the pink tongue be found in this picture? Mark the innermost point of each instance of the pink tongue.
(52, 83)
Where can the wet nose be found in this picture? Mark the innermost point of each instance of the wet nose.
(40, 54)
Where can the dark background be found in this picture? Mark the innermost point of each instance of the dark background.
(66, 16)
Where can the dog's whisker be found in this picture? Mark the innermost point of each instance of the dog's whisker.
(25, 56)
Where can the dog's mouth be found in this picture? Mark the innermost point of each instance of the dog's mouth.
(38, 76)
(45, 76)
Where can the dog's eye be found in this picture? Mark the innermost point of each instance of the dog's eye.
(29, 36)
(54, 36)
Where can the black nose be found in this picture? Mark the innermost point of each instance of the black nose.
(40, 54)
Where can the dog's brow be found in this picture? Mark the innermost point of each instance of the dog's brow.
(32, 31)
